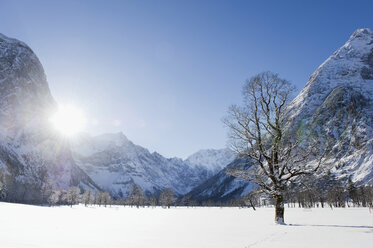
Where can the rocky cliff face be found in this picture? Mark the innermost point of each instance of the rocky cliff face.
(335, 108)
(115, 164)
(31, 153)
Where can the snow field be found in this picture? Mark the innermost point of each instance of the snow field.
(79, 226)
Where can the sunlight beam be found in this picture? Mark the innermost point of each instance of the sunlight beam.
(68, 120)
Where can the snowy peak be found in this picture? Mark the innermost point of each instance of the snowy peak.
(115, 164)
(349, 66)
(118, 139)
(362, 35)
(337, 105)
(86, 145)
(211, 159)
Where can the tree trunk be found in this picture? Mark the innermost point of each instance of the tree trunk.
(251, 203)
(279, 209)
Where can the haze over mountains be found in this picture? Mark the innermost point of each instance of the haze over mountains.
(31, 154)
(34, 155)
(116, 164)
(336, 106)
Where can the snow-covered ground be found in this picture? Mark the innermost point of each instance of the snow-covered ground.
(49, 227)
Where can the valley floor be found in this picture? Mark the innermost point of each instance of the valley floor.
(79, 226)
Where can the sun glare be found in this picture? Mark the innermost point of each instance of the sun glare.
(68, 120)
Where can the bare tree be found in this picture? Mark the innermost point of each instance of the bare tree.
(54, 197)
(106, 198)
(152, 201)
(72, 195)
(167, 198)
(98, 198)
(87, 197)
(257, 132)
(251, 199)
(46, 190)
(2, 190)
(136, 197)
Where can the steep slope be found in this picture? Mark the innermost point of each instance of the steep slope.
(115, 164)
(336, 108)
(31, 153)
(222, 187)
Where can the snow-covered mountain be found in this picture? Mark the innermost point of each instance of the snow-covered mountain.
(222, 187)
(31, 153)
(115, 164)
(335, 107)
(212, 160)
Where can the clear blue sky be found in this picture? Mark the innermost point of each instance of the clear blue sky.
(164, 72)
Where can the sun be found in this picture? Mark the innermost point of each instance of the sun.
(68, 120)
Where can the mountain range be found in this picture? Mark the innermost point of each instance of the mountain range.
(335, 107)
(116, 164)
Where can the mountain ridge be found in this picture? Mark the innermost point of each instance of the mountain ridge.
(117, 166)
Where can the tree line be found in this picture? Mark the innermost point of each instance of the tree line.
(309, 192)
(75, 195)
(334, 195)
